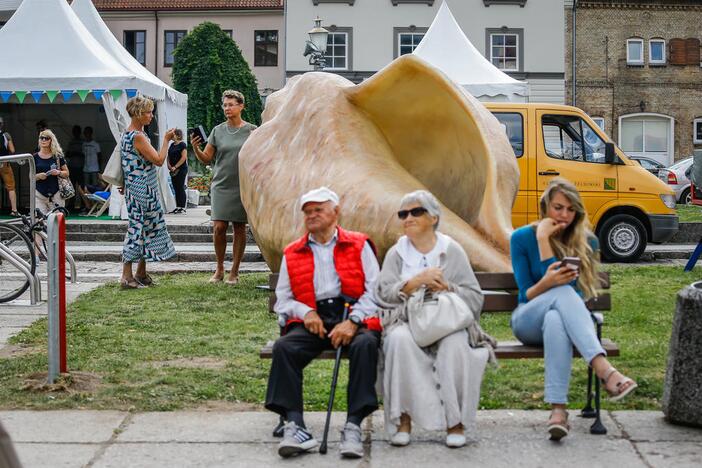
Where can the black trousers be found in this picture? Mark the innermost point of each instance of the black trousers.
(298, 347)
(179, 186)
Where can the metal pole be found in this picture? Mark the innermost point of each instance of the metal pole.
(573, 53)
(53, 303)
(56, 228)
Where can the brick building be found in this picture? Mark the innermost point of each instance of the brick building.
(638, 72)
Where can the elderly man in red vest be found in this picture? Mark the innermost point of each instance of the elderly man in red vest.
(322, 270)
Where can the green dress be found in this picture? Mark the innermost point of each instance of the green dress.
(224, 190)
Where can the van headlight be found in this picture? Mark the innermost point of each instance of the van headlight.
(668, 200)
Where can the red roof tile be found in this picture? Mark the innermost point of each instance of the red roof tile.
(112, 5)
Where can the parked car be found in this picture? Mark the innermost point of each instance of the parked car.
(651, 165)
(675, 177)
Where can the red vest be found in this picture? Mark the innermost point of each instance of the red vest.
(299, 260)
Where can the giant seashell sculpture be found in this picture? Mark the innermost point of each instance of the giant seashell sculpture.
(407, 128)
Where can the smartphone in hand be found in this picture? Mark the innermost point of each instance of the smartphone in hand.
(199, 132)
(571, 262)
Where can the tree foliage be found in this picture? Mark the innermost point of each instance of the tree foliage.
(206, 62)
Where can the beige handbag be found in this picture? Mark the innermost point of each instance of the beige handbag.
(430, 320)
(113, 171)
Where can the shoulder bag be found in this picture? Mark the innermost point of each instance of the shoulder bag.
(66, 189)
(431, 320)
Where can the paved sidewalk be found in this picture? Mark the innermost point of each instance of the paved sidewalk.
(505, 438)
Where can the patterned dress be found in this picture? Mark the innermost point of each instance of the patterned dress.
(147, 236)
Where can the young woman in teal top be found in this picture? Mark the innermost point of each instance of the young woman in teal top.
(552, 311)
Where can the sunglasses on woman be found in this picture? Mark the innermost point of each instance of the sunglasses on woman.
(45, 138)
(415, 212)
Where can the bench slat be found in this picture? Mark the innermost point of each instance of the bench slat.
(508, 302)
(504, 350)
(489, 281)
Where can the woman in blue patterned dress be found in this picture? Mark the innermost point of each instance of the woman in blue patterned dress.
(147, 238)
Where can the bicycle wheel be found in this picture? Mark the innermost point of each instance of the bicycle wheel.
(14, 246)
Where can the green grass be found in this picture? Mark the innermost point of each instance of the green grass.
(120, 336)
(689, 213)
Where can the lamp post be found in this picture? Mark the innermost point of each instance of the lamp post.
(317, 45)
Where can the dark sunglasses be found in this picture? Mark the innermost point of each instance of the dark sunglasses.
(45, 138)
(415, 212)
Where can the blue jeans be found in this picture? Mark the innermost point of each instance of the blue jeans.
(557, 320)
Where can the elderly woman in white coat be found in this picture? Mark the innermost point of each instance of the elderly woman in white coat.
(437, 387)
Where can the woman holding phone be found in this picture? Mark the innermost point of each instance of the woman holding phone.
(222, 151)
(555, 262)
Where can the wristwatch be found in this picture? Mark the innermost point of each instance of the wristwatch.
(355, 319)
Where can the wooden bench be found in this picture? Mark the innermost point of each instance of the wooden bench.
(500, 291)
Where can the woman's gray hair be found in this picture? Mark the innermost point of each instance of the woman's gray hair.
(426, 200)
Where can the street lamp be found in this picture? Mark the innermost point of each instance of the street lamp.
(317, 45)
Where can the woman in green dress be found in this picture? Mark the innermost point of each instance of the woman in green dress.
(222, 152)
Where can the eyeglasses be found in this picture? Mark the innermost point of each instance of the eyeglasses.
(45, 138)
(415, 212)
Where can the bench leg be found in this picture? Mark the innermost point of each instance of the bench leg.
(279, 429)
(597, 427)
(588, 411)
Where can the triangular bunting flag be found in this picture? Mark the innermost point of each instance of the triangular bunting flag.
(82, 94)
(5, 95)
(131, 93)
(37, 95)
(51, 95)
(21, 95)
(66, 93)
(116, 93)
(98, 93)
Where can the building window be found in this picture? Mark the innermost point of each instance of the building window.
(505, 48)
(634, 52)
(656, 52)
(135, 43)
(600, 121)
(171, 41)
(339, 44)
(407, 39)
(230, 32)
(697, 131)
(266, 48)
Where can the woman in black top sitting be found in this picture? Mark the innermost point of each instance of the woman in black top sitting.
(178, 166)
(50, 165)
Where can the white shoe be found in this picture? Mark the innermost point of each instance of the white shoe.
(455, 440)
(296, 440)
(400, 439)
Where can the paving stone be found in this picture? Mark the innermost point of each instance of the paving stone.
(667, 454)
(212, 426)
(73, 426)
(651, 426)
(45, 455)
(214, 455)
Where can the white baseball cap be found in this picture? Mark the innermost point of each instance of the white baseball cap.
(319, 195)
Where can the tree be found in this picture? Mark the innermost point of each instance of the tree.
(206, 62)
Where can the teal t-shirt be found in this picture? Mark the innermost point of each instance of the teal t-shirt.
(526, 260)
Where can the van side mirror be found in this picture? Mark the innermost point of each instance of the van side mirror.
(610, 155)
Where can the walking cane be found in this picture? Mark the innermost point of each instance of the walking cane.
(335, 377)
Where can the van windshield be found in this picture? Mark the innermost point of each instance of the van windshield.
(569, 137)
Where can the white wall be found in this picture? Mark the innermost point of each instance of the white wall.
(373, 22)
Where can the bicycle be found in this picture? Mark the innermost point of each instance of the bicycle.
(28, 242)
(16, 260)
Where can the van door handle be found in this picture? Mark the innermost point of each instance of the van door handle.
(549, 173)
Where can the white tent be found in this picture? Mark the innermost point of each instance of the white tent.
(446, 47)
(54, 53)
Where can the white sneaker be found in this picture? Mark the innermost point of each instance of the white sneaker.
(400, 439)
(455, 440)
(351, 444)
(296, 440)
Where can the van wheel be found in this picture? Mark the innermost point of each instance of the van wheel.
(622, 238)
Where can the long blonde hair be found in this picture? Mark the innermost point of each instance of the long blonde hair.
(55, 146)
(574, 241)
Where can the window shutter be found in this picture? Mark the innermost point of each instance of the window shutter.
(677, 52)
(692, 51)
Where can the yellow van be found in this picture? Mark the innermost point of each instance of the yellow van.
(628, 206)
